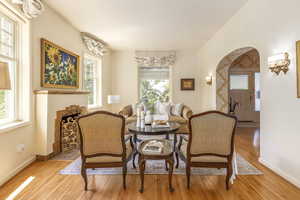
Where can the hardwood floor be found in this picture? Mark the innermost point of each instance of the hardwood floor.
(48, 184)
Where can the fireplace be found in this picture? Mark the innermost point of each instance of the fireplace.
(66, 130)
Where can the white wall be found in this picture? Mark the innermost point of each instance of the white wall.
(125, 78)
(270, 26)
(11, 160)
(53, 27)
(186, 66)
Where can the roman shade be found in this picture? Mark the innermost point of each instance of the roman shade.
(154, 73)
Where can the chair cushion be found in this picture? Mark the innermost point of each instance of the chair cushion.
(177, 119)
(183, 150)
(104, 159)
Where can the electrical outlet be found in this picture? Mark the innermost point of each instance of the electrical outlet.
(20, 148)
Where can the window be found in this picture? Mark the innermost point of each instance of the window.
(154, 85)
(257, 90)
(239, 82)
(15, 104)
(92, 74)
(8, 54)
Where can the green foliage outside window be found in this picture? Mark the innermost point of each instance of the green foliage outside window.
(153, 91)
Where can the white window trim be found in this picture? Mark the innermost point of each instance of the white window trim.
(170, 84)
(14, 125)
(98, 99)
(23, 94)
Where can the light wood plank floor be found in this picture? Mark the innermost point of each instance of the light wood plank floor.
(48, 184)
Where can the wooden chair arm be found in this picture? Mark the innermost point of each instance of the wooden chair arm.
(126, 111)
(187, 112)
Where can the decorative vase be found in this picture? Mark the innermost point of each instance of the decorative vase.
(138, 122)
(142, 123)
(148, 118)
(142, 119)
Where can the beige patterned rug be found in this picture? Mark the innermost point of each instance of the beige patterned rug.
(158, 167)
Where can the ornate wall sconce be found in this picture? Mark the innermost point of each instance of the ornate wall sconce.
(279, 62)
(208, 79)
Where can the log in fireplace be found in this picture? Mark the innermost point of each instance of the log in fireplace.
(66, 130)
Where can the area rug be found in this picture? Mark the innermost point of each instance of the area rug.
(158, 167)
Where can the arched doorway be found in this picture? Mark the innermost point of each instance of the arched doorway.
(222, 74)
(243, 60)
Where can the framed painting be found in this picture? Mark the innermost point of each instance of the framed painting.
(188, 84)
(59, 67)
(298, 67)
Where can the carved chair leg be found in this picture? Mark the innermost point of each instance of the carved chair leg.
(124, 174)
(133, 160)
(134, 144)
(133, 147)
(84, 176)
(142, 164)
(188, 174)
(166, 165)
(177, 159)
(171, 166)
(229, 174)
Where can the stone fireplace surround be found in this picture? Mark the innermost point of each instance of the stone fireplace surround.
(51, 106)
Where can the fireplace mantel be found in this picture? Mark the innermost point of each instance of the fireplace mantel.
(61, 92)
(48, 102)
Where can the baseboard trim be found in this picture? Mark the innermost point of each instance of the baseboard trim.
(280, 172)
(45, 158)
(17, 170)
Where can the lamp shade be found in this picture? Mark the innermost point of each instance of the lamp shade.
(4, 77)
(113, 99)
(278, 58)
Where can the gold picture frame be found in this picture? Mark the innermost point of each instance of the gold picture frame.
(60, 68)
(298, 67)
(187, 84)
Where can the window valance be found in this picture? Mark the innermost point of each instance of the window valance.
(31, 8)
(94, 45)
(155, 58)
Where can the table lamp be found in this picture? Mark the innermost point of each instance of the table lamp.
(113, 99)
(4, 76)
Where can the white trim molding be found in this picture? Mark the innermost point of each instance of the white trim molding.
(17, 170)
(14, 125)
(31, 8)
(95, 46)
(281, 173)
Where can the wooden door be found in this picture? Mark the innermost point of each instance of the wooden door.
(242, 91)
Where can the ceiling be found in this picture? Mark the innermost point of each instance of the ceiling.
(149, 24)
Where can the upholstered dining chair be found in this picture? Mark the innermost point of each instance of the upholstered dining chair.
(103, 143)
(210, 143)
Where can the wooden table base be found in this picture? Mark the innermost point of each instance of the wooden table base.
(142, 164)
